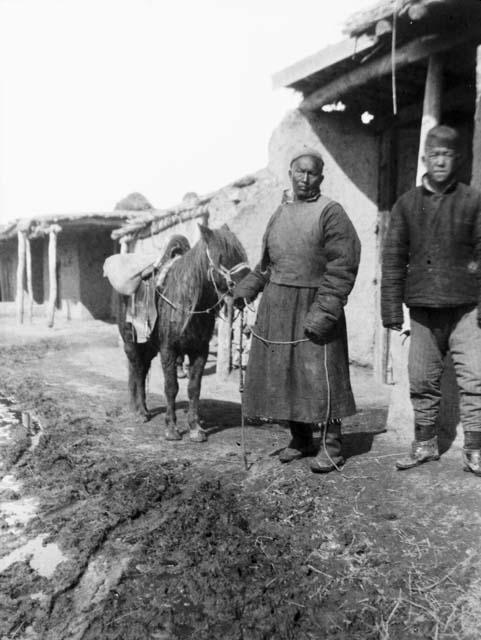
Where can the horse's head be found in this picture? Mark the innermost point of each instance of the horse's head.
(227, 259)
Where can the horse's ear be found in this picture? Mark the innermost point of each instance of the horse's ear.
(205, 232)
(225, 227)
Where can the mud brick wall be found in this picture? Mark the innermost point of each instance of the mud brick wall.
(351, 154)
(350, 151)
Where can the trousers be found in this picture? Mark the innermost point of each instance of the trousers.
(433, 333)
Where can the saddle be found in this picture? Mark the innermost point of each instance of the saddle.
(139, 275)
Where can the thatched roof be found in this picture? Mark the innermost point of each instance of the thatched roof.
(376, 20)
(40, 225)
(143, 223)
(133, 202)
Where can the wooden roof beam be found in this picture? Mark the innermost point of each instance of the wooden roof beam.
(331, 55)
(409, 53)
(367, 20)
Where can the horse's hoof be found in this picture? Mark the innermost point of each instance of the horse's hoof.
(172, 434)
(198, 435)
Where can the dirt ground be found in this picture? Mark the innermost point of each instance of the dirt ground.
(166, 541)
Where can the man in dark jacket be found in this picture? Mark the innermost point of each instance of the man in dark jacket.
(298, 369)
(432, 263)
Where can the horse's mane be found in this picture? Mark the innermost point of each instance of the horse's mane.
(187, 275)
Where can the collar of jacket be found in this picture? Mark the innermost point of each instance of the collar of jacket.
(288, 197)
(451, 186)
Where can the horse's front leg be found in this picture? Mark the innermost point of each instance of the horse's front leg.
(139, 364)
(171, 388)
(197, 364)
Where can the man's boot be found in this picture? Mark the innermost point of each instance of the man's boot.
(472, 461)
(472, 452)
(421, 451)
(301, 443)
(329, 456)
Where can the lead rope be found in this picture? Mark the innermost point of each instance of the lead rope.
(241, 391)
(393, 58)
(328, 411)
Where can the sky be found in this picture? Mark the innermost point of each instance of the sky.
(99, 98)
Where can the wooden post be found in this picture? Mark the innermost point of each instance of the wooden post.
(224, 340)
(29, 277)
(400, 414)
(431, 106)
(52, 272)
(476, 173)
(21, 235)
(386, 198)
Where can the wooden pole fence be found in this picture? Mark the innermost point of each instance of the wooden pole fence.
(52, 272)
(28, 254)
(21, 235)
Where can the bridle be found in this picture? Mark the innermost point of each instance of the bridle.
(211, 270)
(223, 271)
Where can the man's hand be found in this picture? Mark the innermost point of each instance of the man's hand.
(313, 337)
(239, 302)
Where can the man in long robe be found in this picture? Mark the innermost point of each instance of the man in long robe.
(298, 369)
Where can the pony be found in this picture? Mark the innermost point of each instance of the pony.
(140, 354)
(193, 290)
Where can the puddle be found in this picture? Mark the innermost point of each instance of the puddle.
(9, 482)
(16, 512)
(8, 419)
(43, 559)
(11, 417)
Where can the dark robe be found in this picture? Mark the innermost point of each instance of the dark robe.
(309, 263)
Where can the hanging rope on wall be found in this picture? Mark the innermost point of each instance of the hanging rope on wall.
(393, 58)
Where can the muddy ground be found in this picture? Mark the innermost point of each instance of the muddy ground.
(162, 540)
